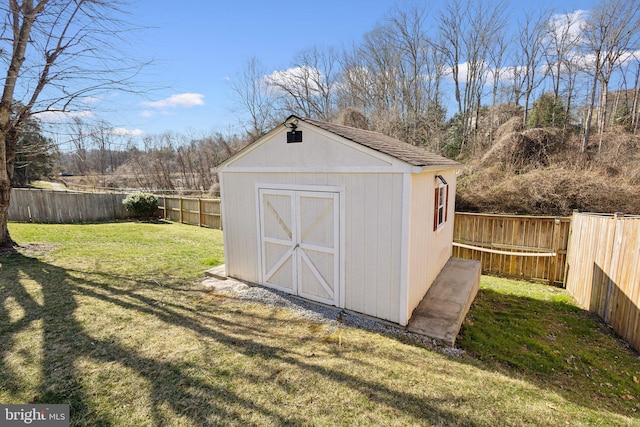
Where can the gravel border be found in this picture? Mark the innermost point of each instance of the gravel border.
(330, 315)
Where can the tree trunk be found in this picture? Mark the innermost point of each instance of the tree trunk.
(21, 33)
(5, 194)
(602, 116)
(636, 98)
(634, 110)
(590, 106)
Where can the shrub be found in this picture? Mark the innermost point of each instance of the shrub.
(453, 139)
(143, 205)
(547, 111)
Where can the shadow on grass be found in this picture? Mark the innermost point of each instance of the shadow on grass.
(554, 345)
(53, 300)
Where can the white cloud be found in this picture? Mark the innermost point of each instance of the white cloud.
(61, 116)
(629, 56)
(126, 132)
(573, 22)
(296, 78)
(186, 100)
(463, 71)
(91, 100)
(147, 114)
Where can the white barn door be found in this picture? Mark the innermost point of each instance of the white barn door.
(300, 239)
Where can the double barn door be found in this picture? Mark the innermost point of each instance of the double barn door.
(299, 236)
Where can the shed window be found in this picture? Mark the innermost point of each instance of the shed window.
(441, 205)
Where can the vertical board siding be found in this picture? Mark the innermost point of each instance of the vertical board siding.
(429, 250)
(47, 206)
(513, 233)
(242, 258)
(604, 272)
(372, 234)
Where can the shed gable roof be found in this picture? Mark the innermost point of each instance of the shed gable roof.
(379, 143)
(408, 153)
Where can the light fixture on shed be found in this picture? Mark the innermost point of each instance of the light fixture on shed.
(293, 135)
(442, 180)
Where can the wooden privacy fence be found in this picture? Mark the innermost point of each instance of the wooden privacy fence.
(194, 211)
(603, 267)
(542, 241)
(46, 206)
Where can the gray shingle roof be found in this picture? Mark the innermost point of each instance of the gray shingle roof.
(408, 153)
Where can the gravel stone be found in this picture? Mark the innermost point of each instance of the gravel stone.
(333, 316)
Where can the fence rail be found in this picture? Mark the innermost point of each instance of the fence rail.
(604, 270)
(194, 211)
(541, 240)
(59, 207)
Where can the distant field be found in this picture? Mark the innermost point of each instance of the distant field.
(111, 318)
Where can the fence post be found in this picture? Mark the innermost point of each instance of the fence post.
(199, 212)
(555, 247)
(181, 208)
(566, 261)
(164, 205)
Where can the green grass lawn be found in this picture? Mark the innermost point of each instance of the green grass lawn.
(111, 319)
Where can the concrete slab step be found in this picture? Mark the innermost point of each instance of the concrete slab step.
(442, 310)
(218, 285)
(219, 272)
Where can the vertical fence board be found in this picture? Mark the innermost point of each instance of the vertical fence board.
(193, 211)
(603, 272)
(46, 206)
(514, 234)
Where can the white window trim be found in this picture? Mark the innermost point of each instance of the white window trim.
(442, 204)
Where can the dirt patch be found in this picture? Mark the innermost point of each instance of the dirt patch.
(29, 249)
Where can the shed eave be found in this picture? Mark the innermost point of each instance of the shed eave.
(432, 168)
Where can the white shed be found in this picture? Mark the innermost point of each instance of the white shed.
(338, 215)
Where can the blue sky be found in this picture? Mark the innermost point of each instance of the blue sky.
(199, 46)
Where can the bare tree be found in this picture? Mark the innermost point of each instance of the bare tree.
(255, 98)
(470, 32)
(451, 24)
(611, 32)
(356, 82)
(309, 86)
(486, 31)
(370, 80)
(496, 58)
(562, 41)
(406, 31)
(394, 77)
(102, 143)
(635, 106)
(79, 137)
(496, 62)
(530, 45)
(435, 69)
(56, 52)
